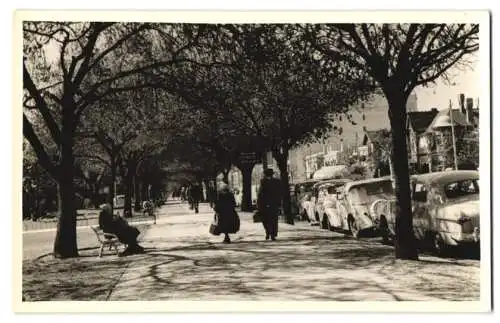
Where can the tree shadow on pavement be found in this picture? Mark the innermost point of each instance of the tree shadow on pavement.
(293, 268)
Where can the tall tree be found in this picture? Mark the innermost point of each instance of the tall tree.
(399, 57)
(68, 67)
(291, 94)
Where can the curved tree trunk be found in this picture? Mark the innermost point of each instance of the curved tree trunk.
(405, 242)
(281, 159)
(246, 174)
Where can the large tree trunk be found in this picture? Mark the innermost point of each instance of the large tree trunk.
(246, 174)
(405, 242)
(281, 159)
(144, 190)
(65, 244)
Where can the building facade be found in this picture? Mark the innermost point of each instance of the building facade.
(364, 116)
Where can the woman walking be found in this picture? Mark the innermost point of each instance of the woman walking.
(228, 220)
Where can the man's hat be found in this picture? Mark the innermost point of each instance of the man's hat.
(269, 172)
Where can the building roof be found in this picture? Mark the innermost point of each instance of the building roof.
(443, 120)
(420, 120)
(373, 135)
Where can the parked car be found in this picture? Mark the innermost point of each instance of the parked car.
(327, 200)
(303, 197)
(445, 210)
(351, 210)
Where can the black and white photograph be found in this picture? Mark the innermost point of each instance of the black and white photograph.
(333, 159)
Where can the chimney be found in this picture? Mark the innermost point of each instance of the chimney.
(469, 114)
(461, 100)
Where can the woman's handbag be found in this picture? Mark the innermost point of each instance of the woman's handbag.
(214, 226)
(237, 223)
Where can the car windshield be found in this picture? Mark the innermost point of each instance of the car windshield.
(304, 187)
(371, 191)
(461, 188)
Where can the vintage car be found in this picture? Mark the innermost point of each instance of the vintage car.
(445, 209)
(327, 198)
(350, 211)
(303, 197)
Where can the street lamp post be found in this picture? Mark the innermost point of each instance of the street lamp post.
(453, 138)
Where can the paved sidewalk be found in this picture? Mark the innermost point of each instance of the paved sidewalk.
(184, 262)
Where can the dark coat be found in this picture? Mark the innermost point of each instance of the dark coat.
(196, 193)
(269, 196)
(228, 219)
(125, 233)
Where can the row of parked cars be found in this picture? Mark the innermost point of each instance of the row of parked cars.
(445, 207)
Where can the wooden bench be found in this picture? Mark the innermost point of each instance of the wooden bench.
(106, 239)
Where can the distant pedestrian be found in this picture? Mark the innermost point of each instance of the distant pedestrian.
(269, 202)
(228, 220)
(196, 193)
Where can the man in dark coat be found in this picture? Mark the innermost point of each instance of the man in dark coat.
(196, 195)
(269, 202)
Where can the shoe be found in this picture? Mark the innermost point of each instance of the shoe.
(126, 252)
(267, 237)
(273, 238)
(226, 241)
(138, 249)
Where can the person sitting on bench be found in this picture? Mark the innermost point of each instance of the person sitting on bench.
(118, 226)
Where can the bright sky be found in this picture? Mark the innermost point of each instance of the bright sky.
(467, 82)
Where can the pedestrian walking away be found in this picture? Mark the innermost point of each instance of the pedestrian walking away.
(196, 195)
(228, 220)
(269, 202)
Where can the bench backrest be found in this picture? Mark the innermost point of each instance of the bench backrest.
(99, 233)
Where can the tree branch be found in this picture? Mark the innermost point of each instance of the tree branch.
(42, 106)
(43, 157)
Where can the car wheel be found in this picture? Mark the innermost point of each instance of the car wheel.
(353, 227)
(438, 245)
(304, 216)
(384, 230)
(328, 225)
(325, 223)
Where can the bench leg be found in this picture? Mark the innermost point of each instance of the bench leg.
(100, 251)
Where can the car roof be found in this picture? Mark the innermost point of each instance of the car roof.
(353, 184)
(446, 176)
(333, 181)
